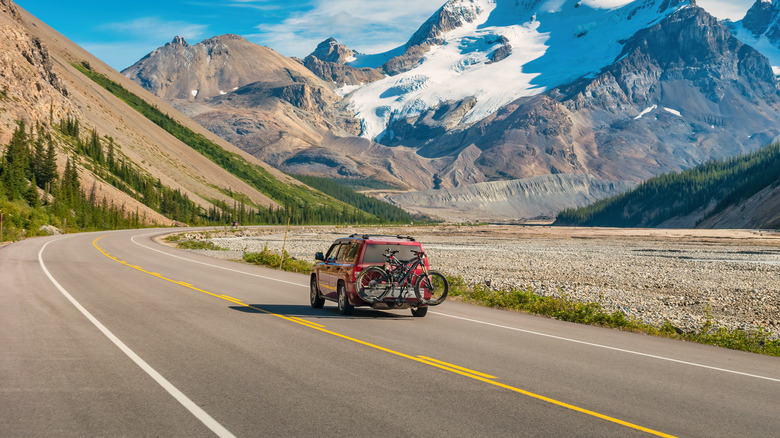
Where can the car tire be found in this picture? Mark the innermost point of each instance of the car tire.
(419, 312)
(314, 294)
(344, 307)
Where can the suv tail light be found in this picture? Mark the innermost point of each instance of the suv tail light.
(355, 272)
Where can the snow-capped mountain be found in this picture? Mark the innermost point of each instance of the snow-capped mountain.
(496, 51)
(489, 90)
(761, 29)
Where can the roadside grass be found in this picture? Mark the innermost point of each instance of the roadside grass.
(193, 244)
(271, 259)
(565, 309)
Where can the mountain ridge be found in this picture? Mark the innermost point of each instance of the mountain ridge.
(666, 87)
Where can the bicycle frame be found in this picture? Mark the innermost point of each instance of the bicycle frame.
(407, 275)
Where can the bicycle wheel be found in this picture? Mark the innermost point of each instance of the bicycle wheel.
(373, 284)
(431, 289)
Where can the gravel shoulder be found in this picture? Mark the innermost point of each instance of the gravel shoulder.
(731, 277)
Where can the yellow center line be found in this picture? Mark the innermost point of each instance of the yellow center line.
(476, 373)
(421, 359)
(229, 297)
(296, 319)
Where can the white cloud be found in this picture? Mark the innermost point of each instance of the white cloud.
(723, 9)
(117, 55)
(369, 26)
(153, 28)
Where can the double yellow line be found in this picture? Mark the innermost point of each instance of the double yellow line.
(476, 375)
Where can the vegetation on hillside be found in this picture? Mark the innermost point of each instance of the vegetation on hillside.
(714, 186)
(301, 204)
(366, 203)
(33, 194)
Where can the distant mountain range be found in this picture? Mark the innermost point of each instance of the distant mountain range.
(494, 90)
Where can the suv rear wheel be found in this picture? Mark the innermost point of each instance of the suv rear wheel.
(314, 294)
(419, 312)
(344, 307)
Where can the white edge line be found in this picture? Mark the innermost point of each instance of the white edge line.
(591, 344)
(199, 413)
(132, 239)
(560, 338)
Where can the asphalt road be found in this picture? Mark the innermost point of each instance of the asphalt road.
(111, 334)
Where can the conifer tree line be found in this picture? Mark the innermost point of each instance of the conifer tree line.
(33, 193)
(723, 183)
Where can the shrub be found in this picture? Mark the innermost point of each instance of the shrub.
(273, 260)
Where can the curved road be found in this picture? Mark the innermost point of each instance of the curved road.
(112, 334)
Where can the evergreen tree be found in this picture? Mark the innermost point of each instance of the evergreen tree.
(17, 164)
(31, 196)
(49, 168)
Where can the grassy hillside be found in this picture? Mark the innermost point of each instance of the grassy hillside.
(707, 189)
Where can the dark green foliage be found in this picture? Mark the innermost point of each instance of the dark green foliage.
(722, 183)
(198, 244)
(302, 204)
(273, 260)
(364, 184)
(16, 164)
(380, 209)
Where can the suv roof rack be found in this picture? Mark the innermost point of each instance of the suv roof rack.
(397, 236)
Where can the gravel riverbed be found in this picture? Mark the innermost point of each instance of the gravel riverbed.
(683, 276)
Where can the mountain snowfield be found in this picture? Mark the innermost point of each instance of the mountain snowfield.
(552, 42)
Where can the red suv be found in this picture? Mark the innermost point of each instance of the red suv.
(336, 272)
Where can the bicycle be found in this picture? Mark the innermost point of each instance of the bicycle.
(376, 283)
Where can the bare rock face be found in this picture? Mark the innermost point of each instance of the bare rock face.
(331, 51)
(537, 197)
(762, 20)
(341, 74)
(213, 67)
(9, 8)
(30, 87)
(454, 14)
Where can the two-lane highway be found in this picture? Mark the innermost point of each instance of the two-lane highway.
(112, 334)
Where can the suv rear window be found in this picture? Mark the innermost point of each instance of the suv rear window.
(374, 252)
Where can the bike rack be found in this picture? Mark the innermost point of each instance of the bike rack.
(368, 236)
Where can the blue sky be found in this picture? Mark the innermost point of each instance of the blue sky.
(120, 33)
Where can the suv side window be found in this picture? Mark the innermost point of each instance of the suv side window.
(342, 251)
(332, 251)
(353, 249)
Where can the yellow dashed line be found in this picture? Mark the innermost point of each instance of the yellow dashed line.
(421, 359)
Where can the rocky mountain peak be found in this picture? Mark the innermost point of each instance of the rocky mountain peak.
(454, 14)
(179, 41)
(763, 19)
(696, 43)
(212, 67)
(331, 51)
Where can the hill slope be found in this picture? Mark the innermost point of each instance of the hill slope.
(741, 192)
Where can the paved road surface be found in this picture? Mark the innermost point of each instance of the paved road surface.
(111, 334)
